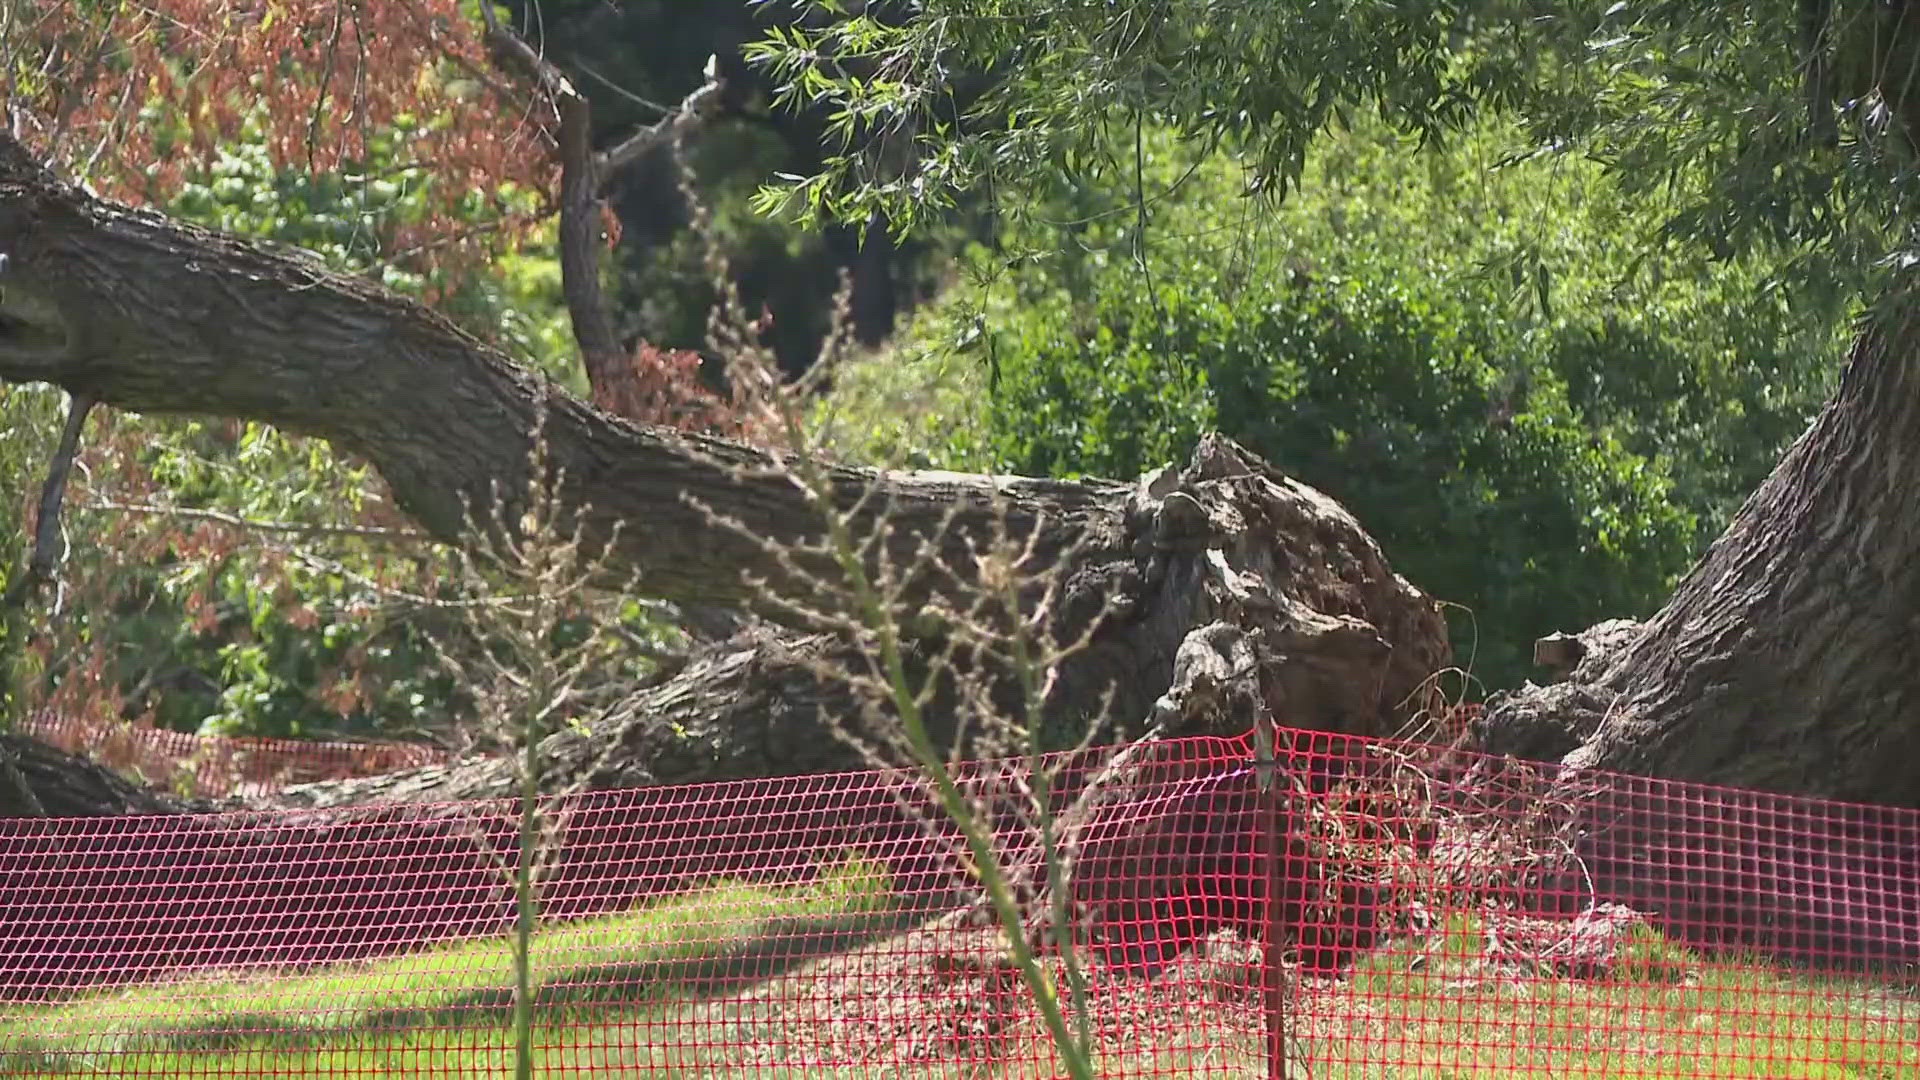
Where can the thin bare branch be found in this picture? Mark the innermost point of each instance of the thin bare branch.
(694, 109)
(296, 528)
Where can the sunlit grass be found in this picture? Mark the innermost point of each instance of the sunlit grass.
(404, 1012)
(1437, 1011)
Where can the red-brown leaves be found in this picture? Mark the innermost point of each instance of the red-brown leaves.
(131, 95)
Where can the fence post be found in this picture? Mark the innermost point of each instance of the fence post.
(1272, 849)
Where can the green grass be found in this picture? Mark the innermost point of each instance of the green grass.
(446, 1007)
(1662, 1012)
(690, 986)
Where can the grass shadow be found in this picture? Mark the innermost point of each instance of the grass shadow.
(618, 986)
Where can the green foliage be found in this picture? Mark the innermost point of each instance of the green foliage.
(1540, 414)
(1699, 109)
(1544, 406)
(1068, 78)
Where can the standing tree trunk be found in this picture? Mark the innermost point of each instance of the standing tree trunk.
(1783, 663)
(1785, 660)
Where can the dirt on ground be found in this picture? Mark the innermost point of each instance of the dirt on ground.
(943, 998)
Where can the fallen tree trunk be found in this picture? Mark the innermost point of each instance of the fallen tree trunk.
(38, 780)
(146, 314)
(1249, 597)
(1209, 595)
(1216, 556)
(142, 313)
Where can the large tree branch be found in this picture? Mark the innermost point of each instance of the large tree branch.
(143, 313)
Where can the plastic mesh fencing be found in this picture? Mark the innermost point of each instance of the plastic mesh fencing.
(213, 766)
(1437, 915)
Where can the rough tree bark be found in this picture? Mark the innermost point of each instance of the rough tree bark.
(142, 313)
(1784, 661)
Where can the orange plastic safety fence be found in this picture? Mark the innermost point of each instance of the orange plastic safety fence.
(213, 766)
(1437, 915)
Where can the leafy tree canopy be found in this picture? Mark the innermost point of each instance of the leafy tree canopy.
(1727, 117)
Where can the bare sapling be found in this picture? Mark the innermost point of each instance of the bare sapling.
(980, 627)
(535, 627)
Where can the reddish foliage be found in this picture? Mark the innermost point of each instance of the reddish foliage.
(663, 386)
(133, 95)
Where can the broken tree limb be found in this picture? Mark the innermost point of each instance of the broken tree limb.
(49, 539)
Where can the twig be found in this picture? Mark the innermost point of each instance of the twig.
(690, 112)
(256, 525)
